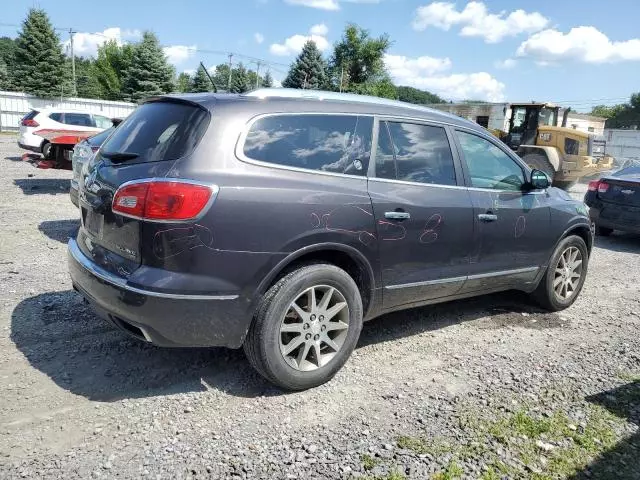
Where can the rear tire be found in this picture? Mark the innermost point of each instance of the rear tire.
(284, 318)
(559, 286)
(603, 231)
(46, 150)
(540, 162)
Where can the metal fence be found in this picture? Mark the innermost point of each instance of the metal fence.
(15, 105)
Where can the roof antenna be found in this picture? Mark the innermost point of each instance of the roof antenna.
(215, 89)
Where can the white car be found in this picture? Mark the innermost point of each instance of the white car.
(56, 119)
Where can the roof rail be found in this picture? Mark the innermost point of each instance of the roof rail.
(344, 97)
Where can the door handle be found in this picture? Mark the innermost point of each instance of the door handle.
(487, 217)
(397, 215)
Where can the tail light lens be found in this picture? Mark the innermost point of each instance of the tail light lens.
(30, 122)
(163, 200)
(599, 186)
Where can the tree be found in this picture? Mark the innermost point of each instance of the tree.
(357, 58)
(87, 83)
(183, 83)
(111, 68)
(7, 52)
(382, 88)
(239, 80)
(420, 97)
(622, 116)
(221, 76)
(309, 69)
(4, 75)
(200, 81)
(267, 82)
(149, 73)
(38, 66)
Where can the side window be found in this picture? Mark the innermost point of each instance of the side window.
(56, 117)
(329, 143)
(489, 167)
(571, 146)
(102, 122)
(421, 154)
(78, 119)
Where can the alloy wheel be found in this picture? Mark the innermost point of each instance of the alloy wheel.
(314, 328)
(568, 273)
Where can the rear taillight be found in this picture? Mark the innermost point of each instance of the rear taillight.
(599, 186)
(163, 200)
(30, 122)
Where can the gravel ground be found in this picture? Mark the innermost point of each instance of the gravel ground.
(485, 388)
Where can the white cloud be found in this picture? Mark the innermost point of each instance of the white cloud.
(86, 44)
(582, 44)
(259, 38)
(293, 45)
(506, 64)
(320, 29)
(427, 73)
(476, 21)
(177, 54)
(320, 4)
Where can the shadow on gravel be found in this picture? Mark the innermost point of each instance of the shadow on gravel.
(498, 310)
(620, 242)
(42, 186)
(60, 230)
(622, 461)
(14, 158)
(61, 336)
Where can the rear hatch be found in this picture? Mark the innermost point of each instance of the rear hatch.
(145, 145)
(623, 187)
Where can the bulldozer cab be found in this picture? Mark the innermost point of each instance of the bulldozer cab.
(525, 120)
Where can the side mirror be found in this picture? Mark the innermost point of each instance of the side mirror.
(539, 180)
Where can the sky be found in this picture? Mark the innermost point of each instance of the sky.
(576, 53)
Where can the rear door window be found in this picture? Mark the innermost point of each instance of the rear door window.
(158, 131)
(56, 117)
(414, 153)
(328, 143)
(78, 119)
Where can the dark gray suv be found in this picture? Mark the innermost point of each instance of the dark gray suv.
(280, 220)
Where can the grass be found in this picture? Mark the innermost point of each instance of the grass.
(627, 376)
(368, 462)
(570, 448)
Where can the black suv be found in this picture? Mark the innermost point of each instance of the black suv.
(280, 220)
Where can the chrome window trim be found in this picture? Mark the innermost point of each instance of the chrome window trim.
(214, 194)
(478, 276)
(108, 277)
(456, 187)
(239, 149)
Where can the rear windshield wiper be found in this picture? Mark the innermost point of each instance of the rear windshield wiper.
(116, 157)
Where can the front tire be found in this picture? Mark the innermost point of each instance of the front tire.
(305, 327)
(565, 276)
(46, 150)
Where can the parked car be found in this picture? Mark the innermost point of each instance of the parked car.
(614, 201)
(280, 220)
(82, 153)
(56, 119)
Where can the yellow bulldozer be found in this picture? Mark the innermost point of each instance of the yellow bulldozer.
(564, 154)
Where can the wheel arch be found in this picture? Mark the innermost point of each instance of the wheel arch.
(583, 231)
(343, 256)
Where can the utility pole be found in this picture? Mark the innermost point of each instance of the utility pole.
(258, 74)
(230, 67)
(74, 88)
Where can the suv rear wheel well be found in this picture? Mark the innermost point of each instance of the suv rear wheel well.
(584, 233)
(355, 268)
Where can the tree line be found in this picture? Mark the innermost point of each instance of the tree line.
(624, 115)
(35, 63)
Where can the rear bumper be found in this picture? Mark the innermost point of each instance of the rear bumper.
(626, 219)
(165, 319)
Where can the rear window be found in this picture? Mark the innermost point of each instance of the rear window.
(56, 117)
(328, 143)
(30, 115)
(159, 131)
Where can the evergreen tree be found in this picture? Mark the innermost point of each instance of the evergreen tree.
(38, 66)
(111, 67)
(149, 73)
(7, 50)
(4, 75)
(87, 83)
(200, 82)
(239, 80)
(267, 82)
(308, 70)
(183, 83)
(221, 76)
